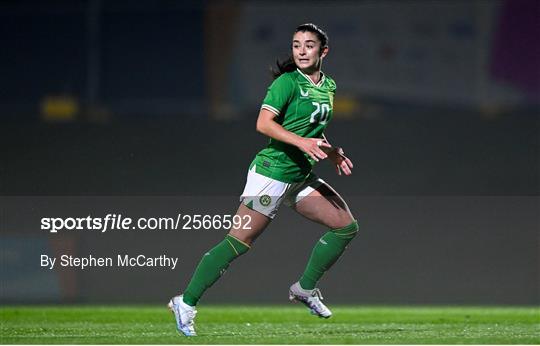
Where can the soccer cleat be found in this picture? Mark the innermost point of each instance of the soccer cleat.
(311, 299)
(184, 315)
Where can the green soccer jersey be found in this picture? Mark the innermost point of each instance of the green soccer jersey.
(301, 107)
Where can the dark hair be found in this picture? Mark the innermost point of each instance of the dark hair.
(288, 64)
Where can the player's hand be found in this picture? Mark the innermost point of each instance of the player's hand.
(341, 162)
(314, 147)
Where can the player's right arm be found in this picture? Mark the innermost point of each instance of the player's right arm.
(279, 95)
(269, 127)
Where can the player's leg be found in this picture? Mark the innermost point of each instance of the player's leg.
(214, 263)
(261, 199)
(324, 206)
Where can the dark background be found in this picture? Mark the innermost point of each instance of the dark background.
(445, 189)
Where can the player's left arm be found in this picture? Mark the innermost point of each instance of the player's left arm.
(337, 156)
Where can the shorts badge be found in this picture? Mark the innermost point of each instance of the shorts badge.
(265, 200)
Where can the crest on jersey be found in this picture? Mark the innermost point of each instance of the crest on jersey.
(303, 93)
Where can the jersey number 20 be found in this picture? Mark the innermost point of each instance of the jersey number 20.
(320, 114)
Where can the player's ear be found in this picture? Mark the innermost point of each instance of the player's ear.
(324, 52)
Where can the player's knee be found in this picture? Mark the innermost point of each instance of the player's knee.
(238, 245)
(347, 232)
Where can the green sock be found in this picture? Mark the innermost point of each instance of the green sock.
(325, 253)
(212, 266)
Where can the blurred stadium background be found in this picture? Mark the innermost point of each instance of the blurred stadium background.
(154, 102)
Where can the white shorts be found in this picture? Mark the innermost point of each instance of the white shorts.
(265, 195)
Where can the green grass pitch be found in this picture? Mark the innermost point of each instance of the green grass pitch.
(271, 325)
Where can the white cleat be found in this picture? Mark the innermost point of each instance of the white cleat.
(311, 299)
(184, 315)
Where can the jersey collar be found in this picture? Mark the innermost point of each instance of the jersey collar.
(309, 79)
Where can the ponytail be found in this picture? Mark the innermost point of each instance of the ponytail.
(282, 67)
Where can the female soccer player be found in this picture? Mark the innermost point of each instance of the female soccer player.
(294, 114)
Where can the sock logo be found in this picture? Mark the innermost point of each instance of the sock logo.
(265, 200)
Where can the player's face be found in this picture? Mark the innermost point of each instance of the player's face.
(307, 52)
